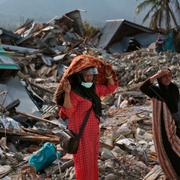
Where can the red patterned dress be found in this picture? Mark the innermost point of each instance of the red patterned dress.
(85, 161)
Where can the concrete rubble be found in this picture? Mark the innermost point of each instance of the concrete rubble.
(42, 52)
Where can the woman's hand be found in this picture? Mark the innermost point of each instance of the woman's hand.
(159, 74)
(108, 71)
(109, 75)
(67, 90)
(66, 86)
(162, 73)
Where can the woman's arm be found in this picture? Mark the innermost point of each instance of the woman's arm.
(103, 90)
(70, 101)
(109, 76)
(67, 100)
(147, 86)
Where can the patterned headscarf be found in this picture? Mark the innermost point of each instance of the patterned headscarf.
(78, 64)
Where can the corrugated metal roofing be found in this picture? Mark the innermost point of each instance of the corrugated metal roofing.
(7, 62)
(15, 90)
(108, 32)
(118, 29)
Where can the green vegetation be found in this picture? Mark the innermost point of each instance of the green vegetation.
(89, 30)
(162, 13)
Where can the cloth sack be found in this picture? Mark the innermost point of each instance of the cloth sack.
(69, 141)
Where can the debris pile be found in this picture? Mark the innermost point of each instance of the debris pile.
(42, 53)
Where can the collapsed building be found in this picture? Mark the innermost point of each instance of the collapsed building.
(32, 61)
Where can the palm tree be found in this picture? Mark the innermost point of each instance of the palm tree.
(161, 13)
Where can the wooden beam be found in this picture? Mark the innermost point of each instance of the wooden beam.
(36, 118)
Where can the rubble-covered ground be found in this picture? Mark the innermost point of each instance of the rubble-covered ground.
(127, 149)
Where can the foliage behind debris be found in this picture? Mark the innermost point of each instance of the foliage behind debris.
(90, 30)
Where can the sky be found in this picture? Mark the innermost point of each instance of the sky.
(94, 11)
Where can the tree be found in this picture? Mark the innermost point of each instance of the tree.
(89, 30)
(161, 13)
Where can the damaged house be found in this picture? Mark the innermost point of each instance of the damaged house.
(11, 88)
(118, 34)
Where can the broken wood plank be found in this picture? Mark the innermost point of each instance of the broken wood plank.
(12, 169)
(39, 138)
(64, 166)
(12, 132)
(22, 76)
(40, 87)
(48, 133)
(29, 136)
(20, 49)
(102, 144)
(36, 118)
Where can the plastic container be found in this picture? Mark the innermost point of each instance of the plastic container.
(44, 157)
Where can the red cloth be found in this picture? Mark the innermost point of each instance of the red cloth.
(86, 167)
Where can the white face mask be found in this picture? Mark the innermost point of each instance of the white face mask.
(87, 84)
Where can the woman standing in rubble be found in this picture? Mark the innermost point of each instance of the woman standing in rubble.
(78, 100)
(166, 91)
(166, 120)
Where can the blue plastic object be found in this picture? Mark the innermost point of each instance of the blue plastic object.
(169, 43)
(44, 157)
